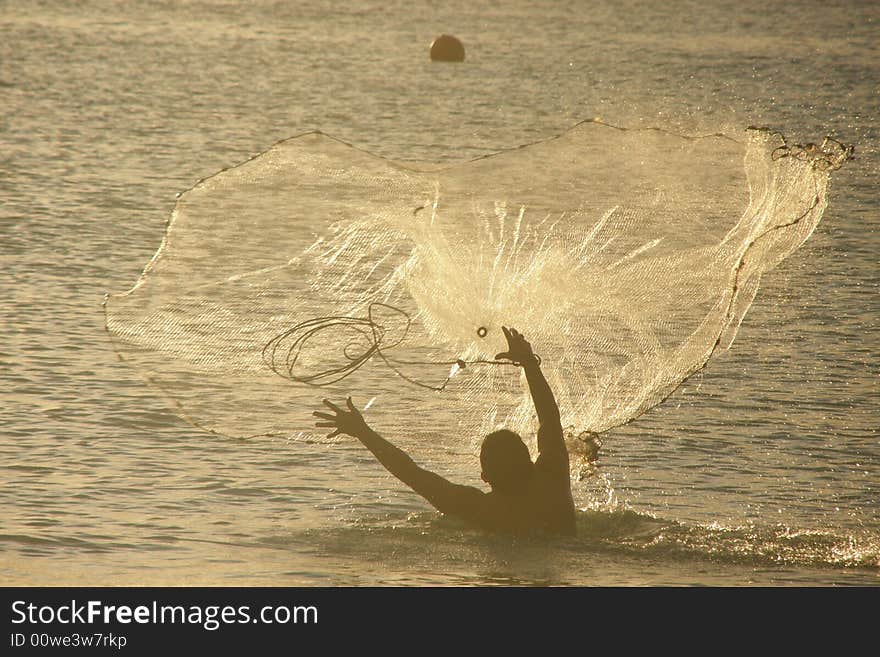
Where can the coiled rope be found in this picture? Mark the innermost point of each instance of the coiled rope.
(282, 353)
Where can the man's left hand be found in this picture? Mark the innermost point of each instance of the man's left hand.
(350, 422)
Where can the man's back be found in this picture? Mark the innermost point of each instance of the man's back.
(544, 507)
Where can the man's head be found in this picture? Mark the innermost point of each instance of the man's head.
(507, 465)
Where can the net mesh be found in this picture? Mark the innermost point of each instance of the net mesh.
(627, 258)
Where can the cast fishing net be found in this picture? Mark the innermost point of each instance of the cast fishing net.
(626, 257)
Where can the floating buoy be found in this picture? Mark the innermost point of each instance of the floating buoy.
(446, 48)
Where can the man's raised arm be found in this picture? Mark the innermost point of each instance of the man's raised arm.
(551, 443)
(446, 497)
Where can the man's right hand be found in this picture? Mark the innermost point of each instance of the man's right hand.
(518, 348)
(350, 422)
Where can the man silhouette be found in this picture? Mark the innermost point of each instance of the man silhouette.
(526, 497)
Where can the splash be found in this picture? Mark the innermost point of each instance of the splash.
(627, 257)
